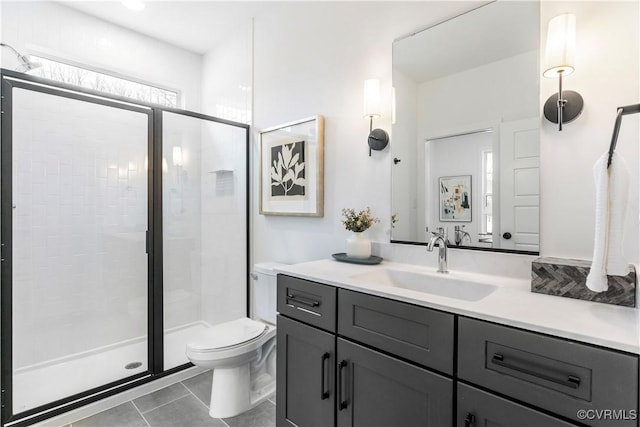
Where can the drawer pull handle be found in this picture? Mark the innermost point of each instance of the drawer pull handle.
(323, 393)
(470, 420)
(303, 301)
(342, 404)
(571, 381)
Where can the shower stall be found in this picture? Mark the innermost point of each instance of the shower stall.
(124, 231)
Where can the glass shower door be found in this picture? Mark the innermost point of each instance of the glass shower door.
(204, 227)
(78, 227)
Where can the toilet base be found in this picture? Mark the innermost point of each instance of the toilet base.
(231, 392)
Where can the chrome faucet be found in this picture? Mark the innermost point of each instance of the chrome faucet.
(460, 234)
(439, 237)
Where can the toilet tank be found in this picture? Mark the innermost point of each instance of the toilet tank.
(264, 291)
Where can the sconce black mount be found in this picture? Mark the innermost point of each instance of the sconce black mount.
(564, 106)
(572, 104)
(378, 138)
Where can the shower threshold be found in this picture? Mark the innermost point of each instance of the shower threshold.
(49, 381)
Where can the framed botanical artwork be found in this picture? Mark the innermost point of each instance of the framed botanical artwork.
(292, 168)
(455, 198)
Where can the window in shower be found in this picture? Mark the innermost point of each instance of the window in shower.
(79, 262)
(204, 206)
(107, 83)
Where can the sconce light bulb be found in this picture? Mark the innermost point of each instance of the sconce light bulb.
(372, 98)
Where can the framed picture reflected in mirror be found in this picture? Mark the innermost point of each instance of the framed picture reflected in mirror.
(455, 198)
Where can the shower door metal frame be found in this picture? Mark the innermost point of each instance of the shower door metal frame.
(155, 333)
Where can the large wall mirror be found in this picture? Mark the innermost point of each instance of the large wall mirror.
(466, 132)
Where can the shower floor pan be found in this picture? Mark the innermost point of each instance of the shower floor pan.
(53, 380)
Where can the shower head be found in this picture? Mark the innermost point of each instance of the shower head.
(26, 64)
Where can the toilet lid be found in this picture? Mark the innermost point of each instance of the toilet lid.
(227, 334)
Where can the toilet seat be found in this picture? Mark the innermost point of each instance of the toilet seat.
(226, 335)
(227, 347)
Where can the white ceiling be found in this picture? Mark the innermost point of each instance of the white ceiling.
(491, 33)
(196, 26)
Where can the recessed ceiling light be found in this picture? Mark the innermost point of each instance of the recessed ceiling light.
(133, 4)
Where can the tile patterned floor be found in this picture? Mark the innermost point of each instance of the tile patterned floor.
(184, 404)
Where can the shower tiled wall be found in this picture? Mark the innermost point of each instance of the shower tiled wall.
(80, 215)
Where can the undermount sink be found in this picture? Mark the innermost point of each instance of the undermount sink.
(445, 285)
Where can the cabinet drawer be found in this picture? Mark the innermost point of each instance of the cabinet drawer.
(478, 408)
(551, 373)
(415, 333)
(309, 302)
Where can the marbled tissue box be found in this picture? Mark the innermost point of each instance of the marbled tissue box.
(568, 277)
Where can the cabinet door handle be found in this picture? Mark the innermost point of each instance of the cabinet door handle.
(342, 404)
(303, 301)
(470, 420)
(323, 393)
(571, 381)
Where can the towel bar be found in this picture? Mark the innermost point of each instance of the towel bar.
(622, 111)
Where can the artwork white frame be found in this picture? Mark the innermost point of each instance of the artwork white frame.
(292, 168)
(455, 198)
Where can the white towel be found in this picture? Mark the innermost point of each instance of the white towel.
(612, 189)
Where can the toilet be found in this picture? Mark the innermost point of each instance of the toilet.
(242, 352)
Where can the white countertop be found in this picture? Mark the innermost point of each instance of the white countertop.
(512, 303)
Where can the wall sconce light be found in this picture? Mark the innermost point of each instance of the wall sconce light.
(378, 138)
(565, 106)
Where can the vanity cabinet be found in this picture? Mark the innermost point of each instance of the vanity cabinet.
(347, 358)
(326, 378)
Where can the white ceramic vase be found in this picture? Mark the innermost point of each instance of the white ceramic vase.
(358, 246)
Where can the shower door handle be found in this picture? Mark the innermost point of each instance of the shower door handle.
(146, 242)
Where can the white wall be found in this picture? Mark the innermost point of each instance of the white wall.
(227, 76)
(53, 30)
(304, 66)
(506, 89)
(606, 75)
(403, 174)
(312, 58)
(226, 93)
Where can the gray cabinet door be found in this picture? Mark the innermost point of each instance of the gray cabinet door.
(305, 375)
(477, 408)
(374, 389)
